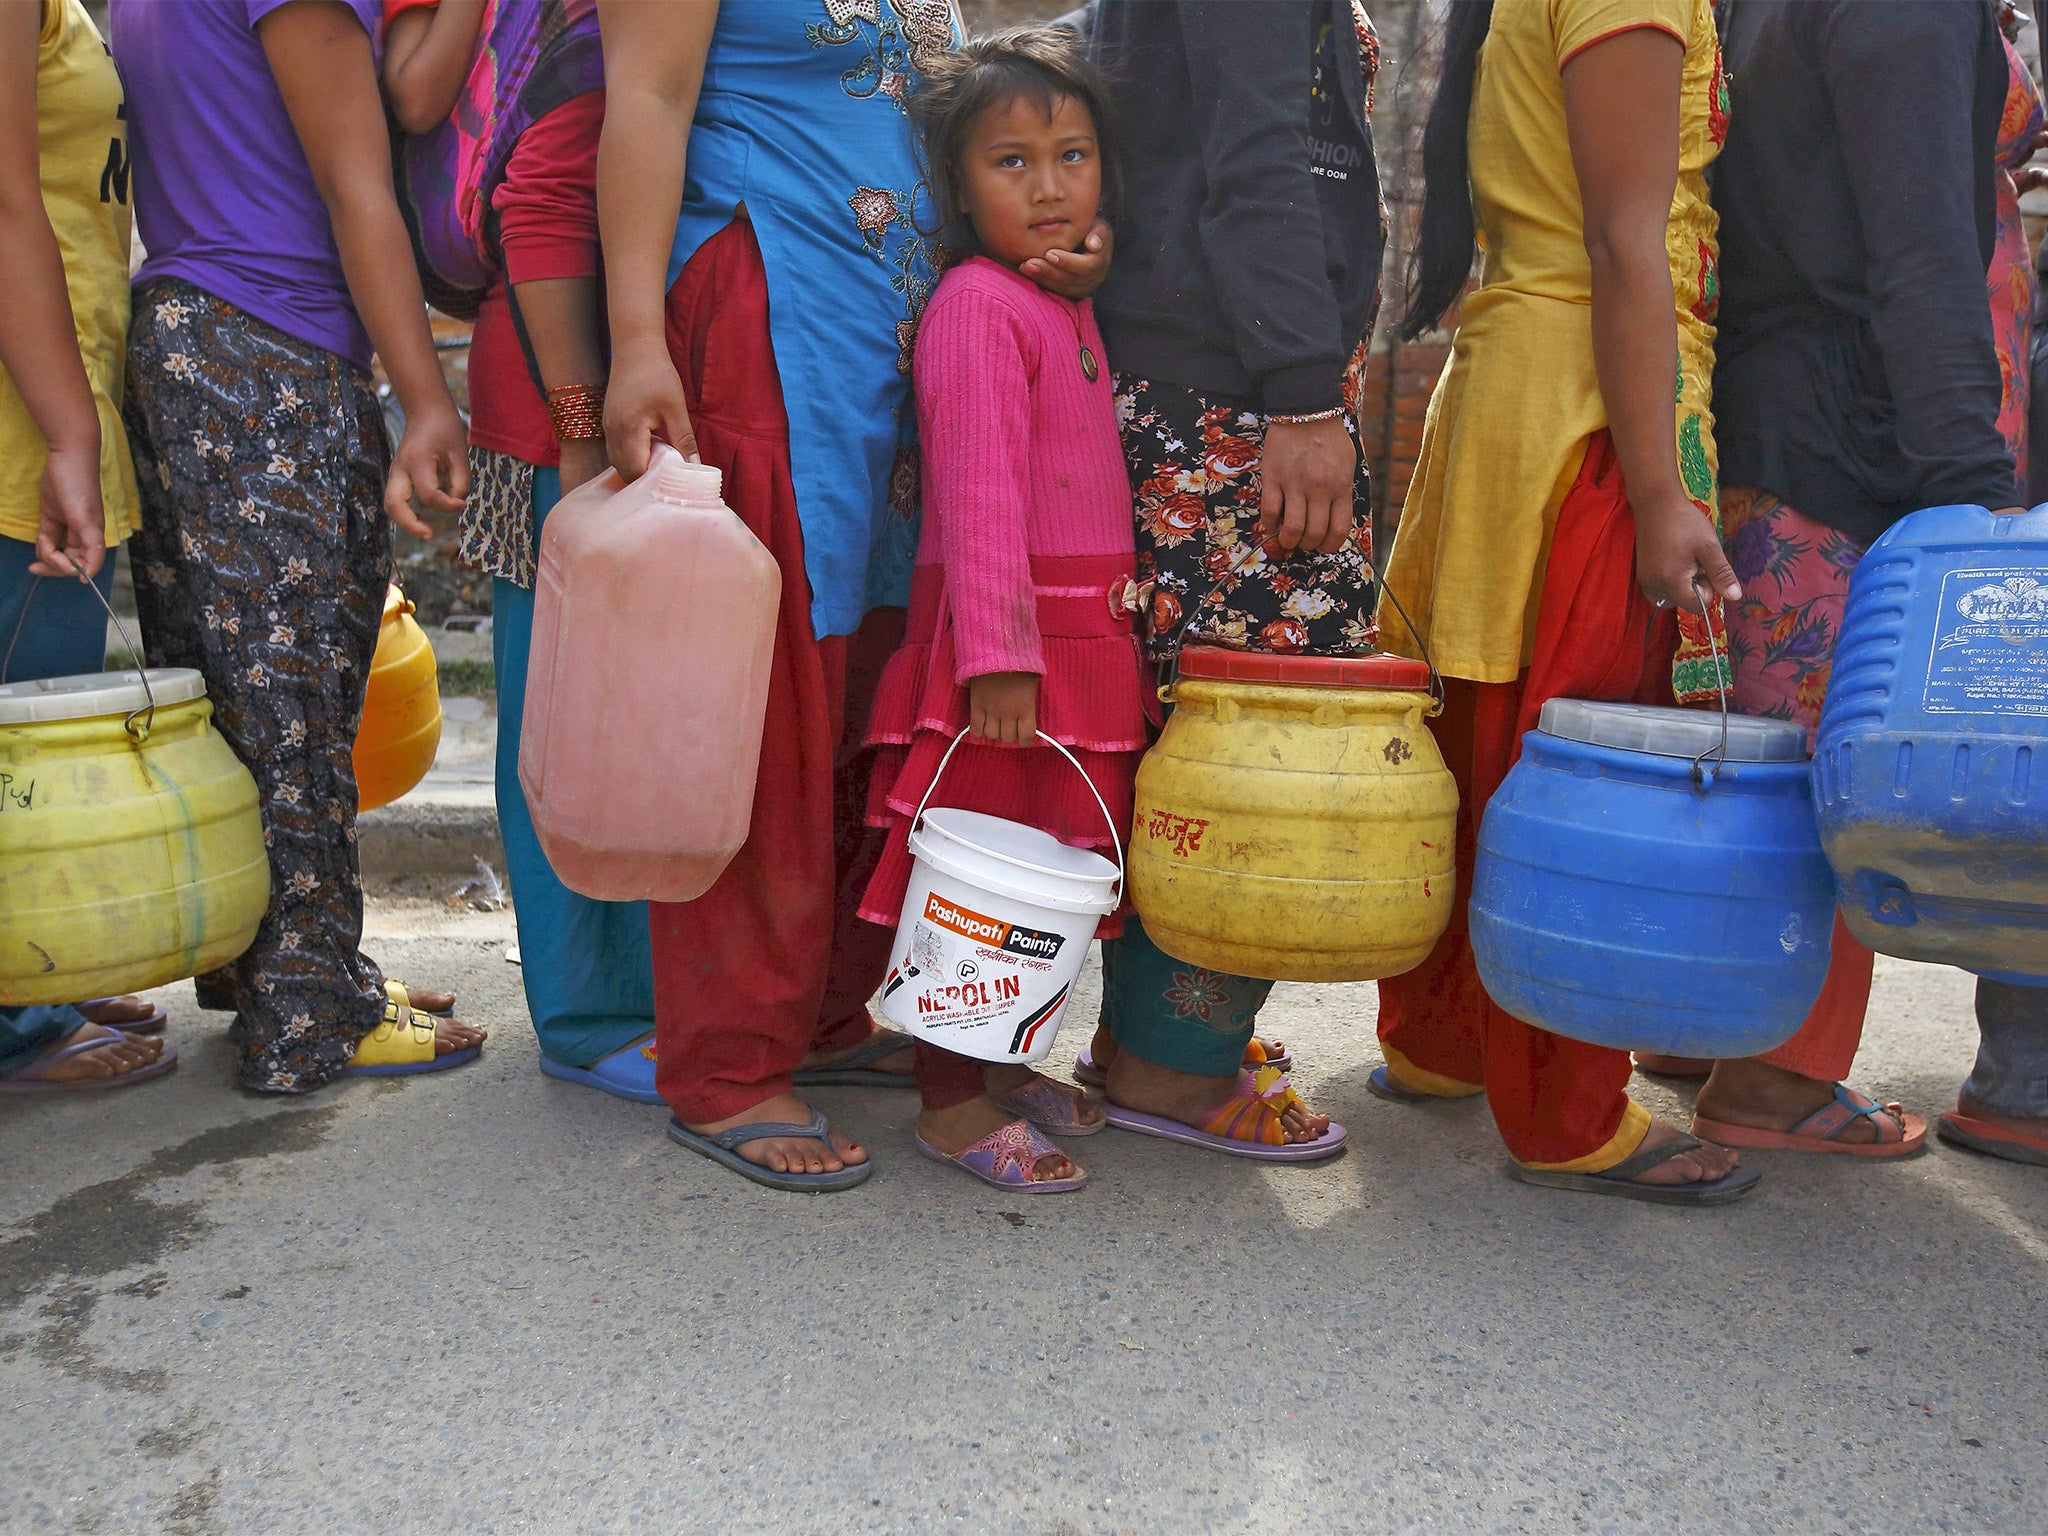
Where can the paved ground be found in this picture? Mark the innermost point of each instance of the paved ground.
(494, 1303)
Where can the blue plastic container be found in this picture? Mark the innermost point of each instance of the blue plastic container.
(1625, 898)
(1931, 764)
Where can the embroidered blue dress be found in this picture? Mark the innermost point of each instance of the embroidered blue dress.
(801, 120)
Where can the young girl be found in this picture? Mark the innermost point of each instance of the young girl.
(1019, 621)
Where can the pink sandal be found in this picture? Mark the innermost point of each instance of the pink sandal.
(1005, 1158)
(1053, 1107)
(1899, 1134)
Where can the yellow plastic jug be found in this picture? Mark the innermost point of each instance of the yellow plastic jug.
(401, 729)
(1296, 820)
(131, 848)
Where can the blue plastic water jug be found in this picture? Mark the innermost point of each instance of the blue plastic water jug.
(1931, 764)
(1639, 887)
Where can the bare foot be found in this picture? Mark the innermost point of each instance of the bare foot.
(788, 1154)
(1102, 1048)
(117, 1054)
(902, 1063)
(427, 1000)
(1135, 1083)
(450, 1035)
(2018, 1124)
(956, 1129)
(123, 1012)
(1754, 1093)
(1703, 1164)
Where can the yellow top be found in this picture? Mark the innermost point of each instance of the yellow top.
(1511, 416)
(83, 138)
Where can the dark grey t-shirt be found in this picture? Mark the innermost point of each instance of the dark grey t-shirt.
(1856, 374)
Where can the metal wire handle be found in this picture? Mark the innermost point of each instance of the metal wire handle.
(1699, 772)
(1169, 669)
(147, 714)
(1115, 839)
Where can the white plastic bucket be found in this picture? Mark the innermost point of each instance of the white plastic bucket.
(996, 924)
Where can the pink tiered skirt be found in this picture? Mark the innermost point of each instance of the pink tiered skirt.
(1096, 699)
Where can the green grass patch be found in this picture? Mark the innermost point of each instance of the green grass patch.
(475, 677)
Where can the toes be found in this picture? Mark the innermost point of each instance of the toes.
(1053, 1165)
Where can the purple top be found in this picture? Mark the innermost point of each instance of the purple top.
(223, 194)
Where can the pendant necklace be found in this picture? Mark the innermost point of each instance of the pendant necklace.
(1089, 367)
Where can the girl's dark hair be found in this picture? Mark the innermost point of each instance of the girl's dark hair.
(1044, 65)
(1442, 259)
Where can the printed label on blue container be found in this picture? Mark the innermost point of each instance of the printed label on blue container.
(1990, 644)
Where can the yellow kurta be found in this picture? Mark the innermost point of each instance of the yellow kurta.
(82, 137)
(1510, 419)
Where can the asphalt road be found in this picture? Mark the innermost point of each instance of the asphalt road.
(490, 1302)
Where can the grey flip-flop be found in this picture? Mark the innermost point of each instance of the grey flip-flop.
(1621, 1178)
(856, 1070)
(723, 1147)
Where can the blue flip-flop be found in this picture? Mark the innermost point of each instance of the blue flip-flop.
(1381, 1085)
(628, 1073)
(723, 1147)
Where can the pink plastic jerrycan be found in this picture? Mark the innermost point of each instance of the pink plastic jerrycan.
(653, 625)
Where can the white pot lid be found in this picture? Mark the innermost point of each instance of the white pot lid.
(1673, 732)
(96, 693)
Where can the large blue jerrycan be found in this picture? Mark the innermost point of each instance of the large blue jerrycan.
(1931, 764)
(1643, 885)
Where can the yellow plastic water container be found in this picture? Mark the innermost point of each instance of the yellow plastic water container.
(1296, 820)
(401, 729)
(131, 847)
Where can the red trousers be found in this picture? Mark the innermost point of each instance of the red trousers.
(773, 961)
(1557, 1102)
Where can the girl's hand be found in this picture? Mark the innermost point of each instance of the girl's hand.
(583, 460)
(71, 530)
(1003, 706)
(1075, 274)
(1307, 471)
(1676, 546)
(430, 466)
(643, 401)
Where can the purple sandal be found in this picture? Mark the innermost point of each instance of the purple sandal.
(1005, 1158)
(1247, 1124)
(1053, 1107)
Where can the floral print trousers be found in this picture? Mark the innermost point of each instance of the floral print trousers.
(1194, 467)
(262, 561)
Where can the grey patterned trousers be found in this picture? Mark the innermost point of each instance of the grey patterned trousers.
(262, 561)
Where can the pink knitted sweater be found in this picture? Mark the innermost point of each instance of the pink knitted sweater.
(1021, 455)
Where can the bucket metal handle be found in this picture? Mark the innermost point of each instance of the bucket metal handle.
(1115, 838)
(1169, 669)
(146, 714)
(1718, 753)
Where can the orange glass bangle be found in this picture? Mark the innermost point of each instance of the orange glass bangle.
(576, 411)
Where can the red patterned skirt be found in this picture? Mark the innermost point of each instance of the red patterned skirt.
(1096, 700)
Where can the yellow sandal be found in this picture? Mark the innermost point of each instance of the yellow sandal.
(403, 1044)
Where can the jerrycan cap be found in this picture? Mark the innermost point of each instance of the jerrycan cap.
(678, 480)
(1673, 732)
(96, 693)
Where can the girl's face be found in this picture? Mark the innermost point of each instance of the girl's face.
(1030, 182)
